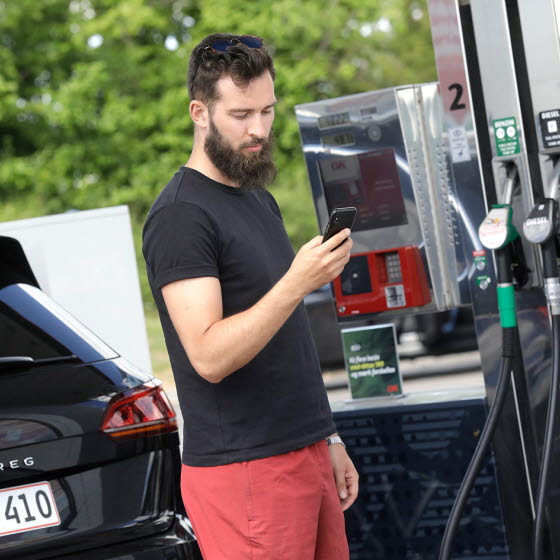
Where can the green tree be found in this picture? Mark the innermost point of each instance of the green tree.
(93, 100)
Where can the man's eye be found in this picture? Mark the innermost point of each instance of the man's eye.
(240, 117)
(267, 112)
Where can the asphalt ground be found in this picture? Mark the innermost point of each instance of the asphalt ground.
(420, 374)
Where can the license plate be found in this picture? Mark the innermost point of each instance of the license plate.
(25, 508)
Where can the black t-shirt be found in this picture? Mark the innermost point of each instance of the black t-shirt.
(277, 402)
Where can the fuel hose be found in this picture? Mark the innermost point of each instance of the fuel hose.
(508, 321)
(541, 228)
(552, 288)
(544, 478)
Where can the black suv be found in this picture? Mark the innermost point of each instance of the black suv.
(89, 450)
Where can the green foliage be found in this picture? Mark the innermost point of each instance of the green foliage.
(87, 124)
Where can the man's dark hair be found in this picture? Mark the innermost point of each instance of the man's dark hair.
(240, 62)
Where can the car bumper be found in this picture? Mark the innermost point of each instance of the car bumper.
(176, 544)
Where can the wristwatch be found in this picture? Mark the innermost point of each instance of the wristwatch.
(334, 439)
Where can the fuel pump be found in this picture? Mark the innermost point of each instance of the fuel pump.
(422, 164)
(496, 233)
(415, 251)
(539, 25)
(376, 152)
(541, 227)
(497, 77)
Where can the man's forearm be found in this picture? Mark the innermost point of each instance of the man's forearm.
(230, 343)
(219, 346)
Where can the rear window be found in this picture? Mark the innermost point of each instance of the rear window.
(33, 325)
(21, 338)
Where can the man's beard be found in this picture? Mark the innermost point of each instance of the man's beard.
(249, 171)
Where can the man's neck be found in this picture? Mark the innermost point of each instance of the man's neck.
(200, 162)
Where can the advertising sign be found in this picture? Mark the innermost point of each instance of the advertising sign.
(372, 361)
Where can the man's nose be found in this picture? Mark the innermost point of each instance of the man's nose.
(257, 127)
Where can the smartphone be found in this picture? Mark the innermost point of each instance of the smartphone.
(339, 219)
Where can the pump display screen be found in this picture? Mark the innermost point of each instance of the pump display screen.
(368, 181)
(338, 119)
(367, 112)
(338, 140)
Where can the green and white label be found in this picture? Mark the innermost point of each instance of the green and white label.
(372, 361)
(505, 133)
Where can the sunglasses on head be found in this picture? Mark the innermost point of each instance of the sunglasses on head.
(222, 45)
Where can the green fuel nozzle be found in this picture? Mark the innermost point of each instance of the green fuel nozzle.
(497, 230)
(498, 233)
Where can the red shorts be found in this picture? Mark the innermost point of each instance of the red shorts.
(284, 507)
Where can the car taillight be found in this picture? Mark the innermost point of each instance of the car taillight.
(141, 411)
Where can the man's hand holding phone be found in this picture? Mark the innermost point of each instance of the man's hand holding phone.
(318, 262)
(322, 259)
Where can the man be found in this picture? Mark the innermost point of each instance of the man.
(258, 462)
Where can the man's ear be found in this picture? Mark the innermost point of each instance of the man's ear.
(199, 113)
